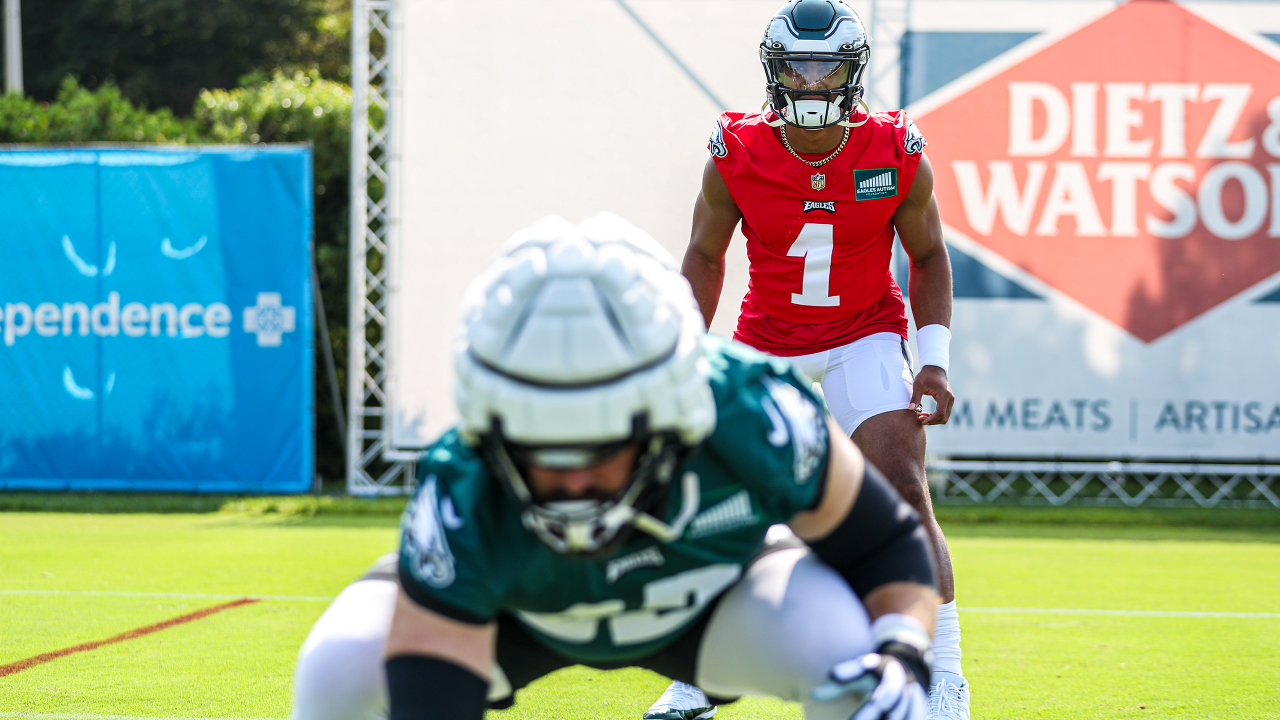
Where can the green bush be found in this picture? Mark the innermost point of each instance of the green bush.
(80, 115)
(298, 108)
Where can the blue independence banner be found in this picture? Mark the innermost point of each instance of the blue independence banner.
(156, 327)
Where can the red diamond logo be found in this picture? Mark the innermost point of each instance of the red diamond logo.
(1134, 165)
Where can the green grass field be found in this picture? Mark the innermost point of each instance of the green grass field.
(68, 578)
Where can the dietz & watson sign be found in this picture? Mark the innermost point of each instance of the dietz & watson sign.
(1129, 172)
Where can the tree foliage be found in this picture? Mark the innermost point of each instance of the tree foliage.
(161, 53)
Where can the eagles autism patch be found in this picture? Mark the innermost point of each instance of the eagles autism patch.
(875, 183)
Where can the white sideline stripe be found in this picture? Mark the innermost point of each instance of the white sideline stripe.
(69, 716)
(175, 596)
(1117, 613)
(317, 598)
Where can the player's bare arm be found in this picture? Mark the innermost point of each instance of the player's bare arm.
(846, 480)
(714, 218)
(417, 631)
(919, 225)
(436, 666)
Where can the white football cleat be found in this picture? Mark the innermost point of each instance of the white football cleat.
(948, 701)
(681, 701)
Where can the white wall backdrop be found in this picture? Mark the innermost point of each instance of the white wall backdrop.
(571, 107)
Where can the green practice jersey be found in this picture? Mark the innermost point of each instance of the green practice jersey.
(465, 553)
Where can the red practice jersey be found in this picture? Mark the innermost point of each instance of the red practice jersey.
(819, 240)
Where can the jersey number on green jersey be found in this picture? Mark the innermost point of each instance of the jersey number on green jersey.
(669, 604)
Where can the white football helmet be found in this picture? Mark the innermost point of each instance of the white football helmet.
(815, 53)
(577, 341)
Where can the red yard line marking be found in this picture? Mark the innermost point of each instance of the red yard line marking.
(21, 665)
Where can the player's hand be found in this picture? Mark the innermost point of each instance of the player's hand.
(881, 686)
(932, 381)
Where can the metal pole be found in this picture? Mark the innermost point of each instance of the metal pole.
(322, 319)
(689, 73)
(356, 238)
(904, 59)
(13, 46)
(873, 33)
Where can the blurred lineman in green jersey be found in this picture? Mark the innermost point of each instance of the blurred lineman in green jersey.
(623, 490)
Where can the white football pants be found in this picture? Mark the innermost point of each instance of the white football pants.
(862, 379)
(777, 632)
(340, 674)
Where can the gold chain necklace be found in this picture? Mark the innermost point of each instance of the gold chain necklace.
(815, 163)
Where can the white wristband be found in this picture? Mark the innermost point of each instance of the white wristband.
(934, 344)
(897, 627)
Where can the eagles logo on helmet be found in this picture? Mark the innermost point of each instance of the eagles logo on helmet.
(815, 53)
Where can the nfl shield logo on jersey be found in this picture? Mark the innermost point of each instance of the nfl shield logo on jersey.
(818, 181)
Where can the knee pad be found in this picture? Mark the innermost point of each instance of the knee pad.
(341, 679)
(340, 674)
(781, 628)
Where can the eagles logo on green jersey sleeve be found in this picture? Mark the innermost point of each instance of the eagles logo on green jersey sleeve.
(427, 553)
(450, 534)
(772, 428)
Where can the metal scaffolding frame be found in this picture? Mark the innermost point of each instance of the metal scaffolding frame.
(371, 468)
(1158, 484)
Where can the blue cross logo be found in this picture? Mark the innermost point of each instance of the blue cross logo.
(269, 320)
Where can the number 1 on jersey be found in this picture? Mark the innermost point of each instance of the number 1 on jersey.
(815, 244)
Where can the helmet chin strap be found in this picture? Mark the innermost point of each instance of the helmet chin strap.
(691, 490)
(865, 108)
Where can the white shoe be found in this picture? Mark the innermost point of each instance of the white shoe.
(681, 701)
(948, 701)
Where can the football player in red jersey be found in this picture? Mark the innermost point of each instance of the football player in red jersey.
(821, 184)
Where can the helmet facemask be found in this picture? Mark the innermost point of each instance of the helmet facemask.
(589, 527)
(816, 89)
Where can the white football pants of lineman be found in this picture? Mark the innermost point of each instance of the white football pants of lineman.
(863, 379)
(340, 674)
(777, 632)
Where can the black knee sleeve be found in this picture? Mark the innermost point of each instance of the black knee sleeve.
(427, 688)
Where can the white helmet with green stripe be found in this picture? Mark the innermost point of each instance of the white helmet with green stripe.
(576, 341)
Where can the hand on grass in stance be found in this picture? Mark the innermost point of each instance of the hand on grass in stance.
(932, 381)
(881, 685)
